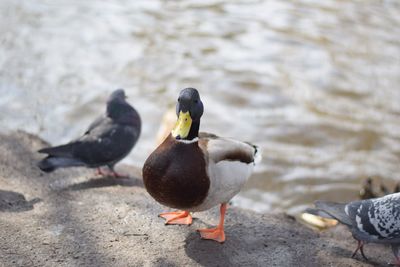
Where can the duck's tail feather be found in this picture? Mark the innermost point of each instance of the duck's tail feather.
(257, 154)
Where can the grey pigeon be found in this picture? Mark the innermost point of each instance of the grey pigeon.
(374, 220)
(108, 139)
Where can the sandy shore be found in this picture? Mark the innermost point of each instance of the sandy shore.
(74, 218)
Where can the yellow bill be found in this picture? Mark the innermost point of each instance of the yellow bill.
(182, 126)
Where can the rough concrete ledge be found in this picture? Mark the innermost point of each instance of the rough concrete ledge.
(73, 218)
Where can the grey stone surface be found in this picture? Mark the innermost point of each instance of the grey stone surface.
(73, 218)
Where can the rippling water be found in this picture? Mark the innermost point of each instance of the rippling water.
(316, 84)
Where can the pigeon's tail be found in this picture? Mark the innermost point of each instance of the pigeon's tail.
(331, 210)
(46, 165)
(51, 163)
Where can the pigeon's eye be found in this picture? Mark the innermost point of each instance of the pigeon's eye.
(196, 101)
(179, 99)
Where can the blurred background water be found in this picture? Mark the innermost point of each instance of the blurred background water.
(314, 83)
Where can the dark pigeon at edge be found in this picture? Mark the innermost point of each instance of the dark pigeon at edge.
(370, 221)
(108, 139)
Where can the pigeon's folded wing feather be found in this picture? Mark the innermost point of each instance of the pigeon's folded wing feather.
(97, 122)
(105, 143)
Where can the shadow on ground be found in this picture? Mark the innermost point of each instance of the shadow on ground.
(249, 237)
(105, 182)
(15, 202)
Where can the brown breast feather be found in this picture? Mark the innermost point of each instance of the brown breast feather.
(175, 174)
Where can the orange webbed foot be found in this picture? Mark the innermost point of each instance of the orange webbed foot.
(216, 234)
(177, 217)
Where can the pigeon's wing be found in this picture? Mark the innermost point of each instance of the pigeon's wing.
(97, 122)
(353, 208)
(106, 143)
(385, 216)
(67, 149)
(378, 218)
(59, 151)
(331, 210)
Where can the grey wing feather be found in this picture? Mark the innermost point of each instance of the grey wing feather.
(95, 123)
(219, 149)
(67, 149)
(208, 135)
(106, 143)
(383, 217)
(59, 151)
(334, 210)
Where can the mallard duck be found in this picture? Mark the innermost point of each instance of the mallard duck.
(193, 171)
(108, 139)
(367, 189)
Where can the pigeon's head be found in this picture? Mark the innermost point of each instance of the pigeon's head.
(119, 110)
(117, 95)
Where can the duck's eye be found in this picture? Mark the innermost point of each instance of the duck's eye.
(196, 101)
(179, 99)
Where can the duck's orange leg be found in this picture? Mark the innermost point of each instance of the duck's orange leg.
(216, 233)
(177, 217)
